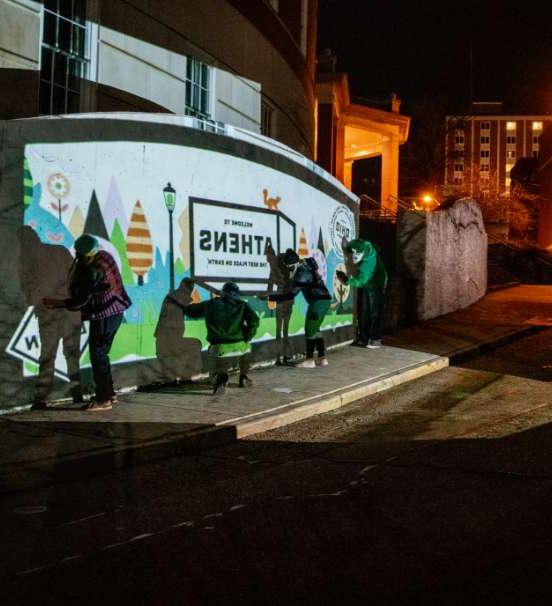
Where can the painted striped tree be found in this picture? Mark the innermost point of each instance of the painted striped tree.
(139, 244)
(303, 251)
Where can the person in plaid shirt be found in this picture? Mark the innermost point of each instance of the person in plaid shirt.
(96, 290)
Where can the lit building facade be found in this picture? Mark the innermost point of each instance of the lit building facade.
(348, 132)
(482, 149)
(247, 63)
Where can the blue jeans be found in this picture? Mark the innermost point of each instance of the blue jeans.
(102, 333)
(370, 314)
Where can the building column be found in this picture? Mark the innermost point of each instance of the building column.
(348, 174)
(390, 174)
(339, 160)
(325, 141)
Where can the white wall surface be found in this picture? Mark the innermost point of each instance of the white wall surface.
(20, 34)
(140, 68)
(237, 101)
(159, 75)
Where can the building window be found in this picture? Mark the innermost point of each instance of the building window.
(266, 118)
(485, 126)
(537, 125)
(510, 154)
(197, 89)
(459, 140)
(511, 126)
(484, 168)
(536, 139)
(511, 139)
(535, 153)
(458, 180)
(484, 140)
(65, 56)
(484, 153)
(458, 168)
(459, 153)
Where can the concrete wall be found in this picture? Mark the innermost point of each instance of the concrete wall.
(443, 255)
(19, 34)
(19, 57)
(110, 172)
(237, 101)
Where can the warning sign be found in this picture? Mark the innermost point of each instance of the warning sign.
(25, 345)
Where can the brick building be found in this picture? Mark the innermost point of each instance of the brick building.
(482, 148)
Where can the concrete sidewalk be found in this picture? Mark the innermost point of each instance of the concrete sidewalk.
(62, 442)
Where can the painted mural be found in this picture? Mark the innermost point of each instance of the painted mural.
(230, 216)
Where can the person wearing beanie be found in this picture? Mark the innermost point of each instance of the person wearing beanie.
(305, 278)
(371, 280)
(231, 325)
(97, 292)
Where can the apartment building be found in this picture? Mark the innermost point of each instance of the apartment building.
(247, 63)
(482, 149)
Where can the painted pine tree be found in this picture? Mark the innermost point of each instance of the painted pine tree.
(27, 184)
(118, 241)
(303, 251)
(94, 223)
(139, 244)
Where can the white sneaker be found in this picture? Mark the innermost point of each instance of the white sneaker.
(374, 344)
(321, 361)
(308, 363)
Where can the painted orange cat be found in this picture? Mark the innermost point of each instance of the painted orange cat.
(271, 203)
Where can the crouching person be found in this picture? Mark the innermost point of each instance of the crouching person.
(231, 324)
(304, 277)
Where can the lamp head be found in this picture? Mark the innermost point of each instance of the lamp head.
(169, 193)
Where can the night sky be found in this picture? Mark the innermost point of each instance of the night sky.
(422, 48)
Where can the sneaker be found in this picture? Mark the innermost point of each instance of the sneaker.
(98, 406)
(358, 344)
(308, 363)
(322, 361)
(114, 399)
(374, 344)
(39, 405)
(245, 381)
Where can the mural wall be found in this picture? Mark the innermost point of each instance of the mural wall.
(231, 218)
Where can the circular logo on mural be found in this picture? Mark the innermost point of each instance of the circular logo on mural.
(342, 225)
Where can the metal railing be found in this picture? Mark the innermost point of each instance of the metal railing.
(375, 211)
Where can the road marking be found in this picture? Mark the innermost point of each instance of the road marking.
(96, 515)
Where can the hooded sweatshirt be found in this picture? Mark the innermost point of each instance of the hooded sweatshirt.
(228, 319)
(371, 271)
(306, 280)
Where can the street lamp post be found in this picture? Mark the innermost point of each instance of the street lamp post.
(169, 195)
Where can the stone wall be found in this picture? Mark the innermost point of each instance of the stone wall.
(443, 255)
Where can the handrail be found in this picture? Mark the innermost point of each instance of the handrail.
(378, 212)
(402, 204)
(515, 248)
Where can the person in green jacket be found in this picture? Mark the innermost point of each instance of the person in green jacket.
(371, 279)
(231, 324)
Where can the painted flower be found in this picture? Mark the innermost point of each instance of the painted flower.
(58, 185)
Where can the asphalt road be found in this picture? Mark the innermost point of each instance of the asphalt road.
(436, 492)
